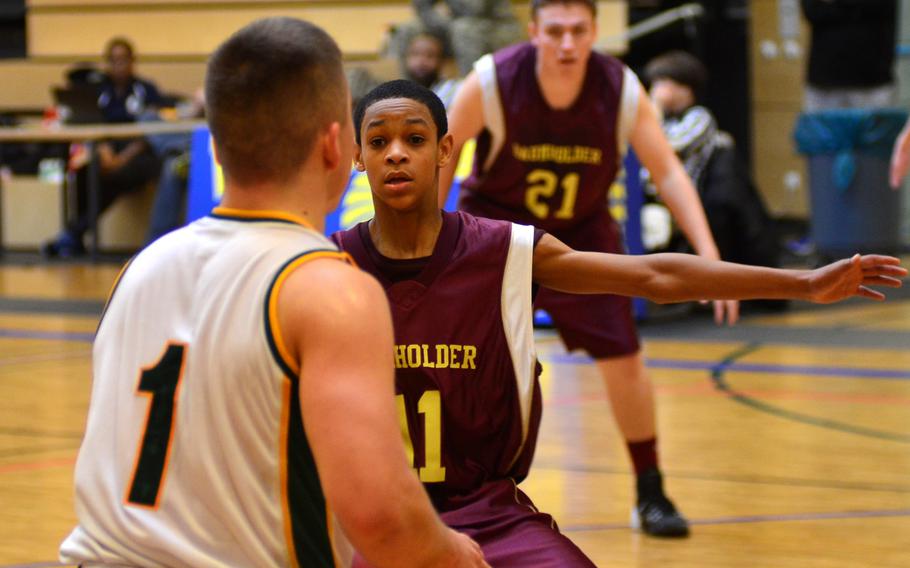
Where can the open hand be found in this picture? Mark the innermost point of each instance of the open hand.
(853, 276)
(470, 554)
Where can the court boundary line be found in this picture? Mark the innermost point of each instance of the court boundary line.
(747, 519)
(720, 383)
(759, 480)
(32, 433)
(707, 365)
(11, 453)
(45, 564)
(76, 336)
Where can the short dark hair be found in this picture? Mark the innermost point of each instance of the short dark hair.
(403, 89)
(409, 34)
(538, 4)
(679, 66)
(269, 89)
(118, 41)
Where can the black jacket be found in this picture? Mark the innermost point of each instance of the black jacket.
(853, 42)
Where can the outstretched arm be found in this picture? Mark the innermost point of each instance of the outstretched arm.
(675, 189)
(671, 277)
(343, 346)
(111, 161)
(465, 122)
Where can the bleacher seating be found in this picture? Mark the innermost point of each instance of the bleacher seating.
(172, 41)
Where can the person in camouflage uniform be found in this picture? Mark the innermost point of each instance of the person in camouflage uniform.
(474, 27)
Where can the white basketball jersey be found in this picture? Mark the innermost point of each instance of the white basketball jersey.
(194, 451)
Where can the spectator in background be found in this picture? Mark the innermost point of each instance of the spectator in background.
(169, 207)
(474, 27)
(851, 56)
(739, 221)
(422, 59)
(422, 55)
(124, 165)
(677, 80)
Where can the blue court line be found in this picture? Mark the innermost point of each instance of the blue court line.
(677, 364)
(835, 515)
(690, 365)
(721, 385)
(82, 337)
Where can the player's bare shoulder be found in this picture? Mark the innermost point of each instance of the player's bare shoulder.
(330, 286)
(327, 307)
(326, 301)
(466, 116)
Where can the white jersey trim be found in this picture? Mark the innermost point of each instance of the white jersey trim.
(628, 108)
(493, 116)
(518, 320)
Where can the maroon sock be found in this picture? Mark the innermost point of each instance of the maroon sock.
(643, 454)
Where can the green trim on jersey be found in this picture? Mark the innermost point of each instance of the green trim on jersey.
(306, 501)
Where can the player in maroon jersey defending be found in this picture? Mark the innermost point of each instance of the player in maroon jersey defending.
(461, 292)
(552, 120)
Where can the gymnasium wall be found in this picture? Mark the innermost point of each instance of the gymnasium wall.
(172, 41)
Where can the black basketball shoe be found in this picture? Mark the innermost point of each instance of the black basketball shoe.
(655, 514)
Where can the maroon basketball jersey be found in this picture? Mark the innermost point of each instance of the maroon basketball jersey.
(537, 165)
(466, 370)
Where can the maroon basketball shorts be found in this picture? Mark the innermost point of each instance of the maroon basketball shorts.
(509, 529)
(600, 324)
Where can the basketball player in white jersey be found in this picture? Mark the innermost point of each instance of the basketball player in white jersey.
(243, 396)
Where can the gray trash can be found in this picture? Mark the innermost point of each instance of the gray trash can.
(853, 208)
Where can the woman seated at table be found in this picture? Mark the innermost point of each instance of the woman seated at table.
(123, 165)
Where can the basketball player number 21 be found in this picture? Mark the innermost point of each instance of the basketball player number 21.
(542, 184)
(430, 406)
(159, 383)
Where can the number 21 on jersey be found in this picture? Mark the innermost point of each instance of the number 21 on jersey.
(430, 407)
(542, 184)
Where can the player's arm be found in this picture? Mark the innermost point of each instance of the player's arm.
(465, 118)
(671, 277)
(900, 157)
(675, 188)
(343, 343)
(670, 178)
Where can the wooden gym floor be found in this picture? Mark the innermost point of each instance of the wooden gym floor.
(785, 440)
